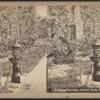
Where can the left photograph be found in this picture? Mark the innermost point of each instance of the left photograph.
(23, 41)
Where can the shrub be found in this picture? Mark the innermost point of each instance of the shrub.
(61, 51)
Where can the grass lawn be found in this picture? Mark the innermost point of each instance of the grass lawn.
(30, 57)
(70, 73)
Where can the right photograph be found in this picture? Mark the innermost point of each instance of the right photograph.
(73, 49)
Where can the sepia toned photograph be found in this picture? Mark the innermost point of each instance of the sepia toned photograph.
(74, 49)
(49, 50)
(23, 39)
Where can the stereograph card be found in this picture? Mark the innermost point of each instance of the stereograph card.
(49, 49)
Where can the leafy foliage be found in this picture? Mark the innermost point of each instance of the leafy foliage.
(20, 23)
(60, 45)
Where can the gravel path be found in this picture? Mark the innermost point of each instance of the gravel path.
(36, 78)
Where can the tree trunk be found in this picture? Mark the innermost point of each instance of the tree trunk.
(78, 22)
(41, 11)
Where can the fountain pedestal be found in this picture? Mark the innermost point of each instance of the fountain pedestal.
(16, 70)
(96, 60)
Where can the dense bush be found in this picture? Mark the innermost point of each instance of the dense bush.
(19, 23)
(62, 52)
(84, 46)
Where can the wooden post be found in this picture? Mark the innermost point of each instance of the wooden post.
(80, 79)
(8, 78)
(7, 82)
(0, 80)
(87, 80)
(88, 76)
(1, 75)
